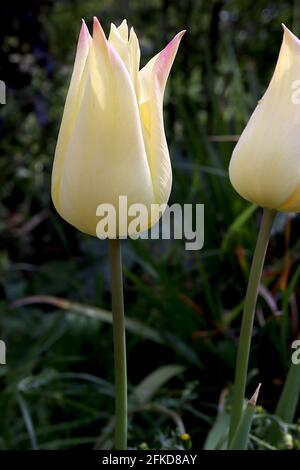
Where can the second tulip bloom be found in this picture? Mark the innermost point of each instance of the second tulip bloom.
(265, 165)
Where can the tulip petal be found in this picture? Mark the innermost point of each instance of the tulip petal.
(123, 30)
(265, 165)
(134, 61)
(105, 155)
(84, 42)
(153, 78)
(71, 105)
(128, 49)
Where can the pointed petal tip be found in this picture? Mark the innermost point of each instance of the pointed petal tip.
(132, 34)
(168, 53)
(177, 37)
(84, 34)
(286, 29)
(166, 58)
(176, 40)
(181, 33)
(123, 26)
(290, 37)
(96, 24)
(97, 29)
(123, 30)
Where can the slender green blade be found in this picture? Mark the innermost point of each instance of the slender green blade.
(241, 436)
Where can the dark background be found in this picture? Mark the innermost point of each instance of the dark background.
(56, 391)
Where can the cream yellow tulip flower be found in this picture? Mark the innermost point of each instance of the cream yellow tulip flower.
(112, 141)
(265, 165)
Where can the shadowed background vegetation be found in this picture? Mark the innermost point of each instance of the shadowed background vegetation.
(183, 307)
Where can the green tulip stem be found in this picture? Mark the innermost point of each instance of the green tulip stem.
(119, 345)
(247, 320)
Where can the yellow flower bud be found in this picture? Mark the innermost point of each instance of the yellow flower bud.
(112, 141)
(185, 437)
(265, 165)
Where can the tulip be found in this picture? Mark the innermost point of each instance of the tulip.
(265, 165)
(112, 141)
(112, 145)
(265, 170)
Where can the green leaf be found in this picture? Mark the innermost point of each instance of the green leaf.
(236, 225)
(289, 397)
(145, 390)
(217, 436)
(132, 325)
(27, 421)
(105, 316)
(67, 443)
(287, 404)
(141, 394)
(241, 436)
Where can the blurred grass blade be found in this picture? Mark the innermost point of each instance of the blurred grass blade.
(217, 436)
(236, 226)
(261, 443)
(134, 326)
(289, 397)
(140, 396)
(36, 382)
(58, 428)
(238, 93)
(105, 316)
(241, 436)
(27, 421)
(182, 349)
(296, 18)
(65, 444)
(284, 320)
(145, 390)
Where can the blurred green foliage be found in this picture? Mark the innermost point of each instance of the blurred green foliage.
(56, 391)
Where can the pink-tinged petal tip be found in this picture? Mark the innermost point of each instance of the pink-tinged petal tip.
(99, 39)
(166, 58)
(83, 44)
(84, 35)
(98, 30)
